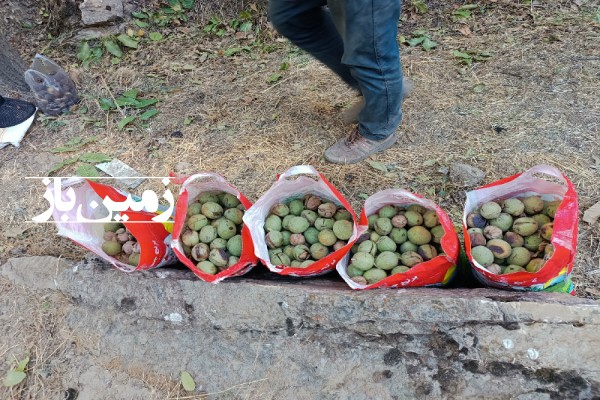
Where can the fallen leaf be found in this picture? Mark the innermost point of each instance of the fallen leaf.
(87, 171)
(122, 123)
(378, 166)
(22, 364)
(94, 157)
(13, 378)
(465, 30)
(187, 381)
(592, 214)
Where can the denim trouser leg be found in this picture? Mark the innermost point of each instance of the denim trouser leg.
(306, 24)
(363, 51)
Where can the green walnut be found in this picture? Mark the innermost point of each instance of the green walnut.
(273, 223)
(327, 237)
(368, 246)
(340, 244)
(215, 223)
(280, 259)
(399, 235)
(419, 235)
(296, 207)
(191, 238)
(218, 243)
(287, 237)
(490, 210)
(324, 223)
(512, 269)
(301, 252)
(525, 226)
(310, 215)
(400, 269)
(111, 248)
(385, 243)
(411, 258)
(234, 246)
(311, 235)
(430, 219)
(499, 248)
(218, 257)
(413, 218)
(427, 252)
(372, 219)
(492, 232)
(285, 221)
(193, 209)
(207, 234)
(475, 220)
(342, 214)
(475, 230)
(109, 236)
(399, 221)
(387, 212)
(234, 215)
(504, 222)
(232, 261)
(383, 226)
(541, 219)
(374, 237)
(274, 239)
(535, 264)
(289, 251)
(437, 233)
(306, 263)
(296, 239)
(327, 210)
(112, 226)
(533, 204)
(318, 251)
(514, 239)
(477, 239)
(546, 231)
(281, 210)
(360, 280)
(500, 261)
(514, 207)
(343, 229)
(353, 271)
(226, 229)
(208, 197)
(550, 208)
(363, 261)
(482, 255)
(374, 275)
(386, 260)
(495, 269)
(229, 200)
(207, 267)
(133, 259)
(416, 208)
(312, 202)
(533, 242)
(295, 264)
(519, 256)
(408, 247)
(212, 210)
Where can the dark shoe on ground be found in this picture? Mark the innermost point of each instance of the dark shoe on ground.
(355, 148)
(350, 116)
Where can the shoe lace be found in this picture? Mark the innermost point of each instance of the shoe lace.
(354, 137)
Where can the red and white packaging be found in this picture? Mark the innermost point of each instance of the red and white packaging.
(88, 197)
(295, 184)
(564, 237)
(191, 188)
(436, 272)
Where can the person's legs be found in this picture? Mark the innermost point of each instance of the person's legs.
(369, 30)
(306, 24)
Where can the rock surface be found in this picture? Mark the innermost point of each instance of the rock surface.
(98, 12)
(465, 174)
(304, 339)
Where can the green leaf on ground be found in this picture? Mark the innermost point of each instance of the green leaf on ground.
(113, 48)
(188, 121)
(122, 123)
(155, 36)
(232, 51)
(379, 166)
(188, 4)
(94, 158)
(420, 6)
(284, 66)
(139, 15)
(274, 78)
(187, 381)
(141, 24)
(84, 51)
(415, 41)
(106, 104)
(23, 364)
(246, 26)
(13, 378)
(87, 171)
(363, 196)
(132, 93)
(428, 44)
(62, 164)
(145, 103)
(148, 114)
(127, 41)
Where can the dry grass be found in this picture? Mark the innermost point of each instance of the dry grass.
(541, 86)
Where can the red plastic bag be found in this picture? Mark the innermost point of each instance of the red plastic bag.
(294, 184)
(558, 268)
(436, 272)
(192, 187)
(88, 196)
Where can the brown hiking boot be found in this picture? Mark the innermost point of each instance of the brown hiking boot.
(355, 148)
(350, 116)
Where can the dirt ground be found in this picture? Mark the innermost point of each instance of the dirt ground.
(534, 101)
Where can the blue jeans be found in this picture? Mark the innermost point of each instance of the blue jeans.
(356, 39)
